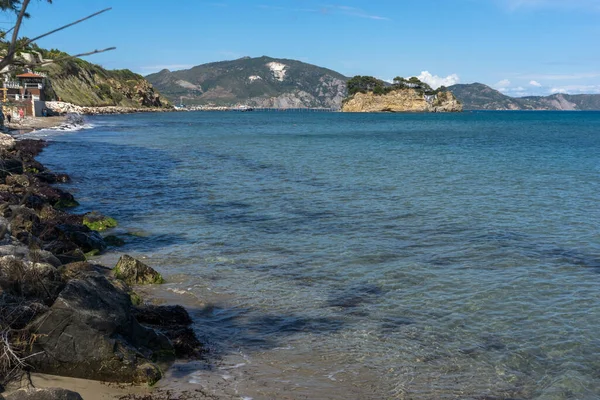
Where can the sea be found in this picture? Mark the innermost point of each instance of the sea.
(361, 256)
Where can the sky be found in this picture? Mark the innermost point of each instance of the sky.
(520, 47)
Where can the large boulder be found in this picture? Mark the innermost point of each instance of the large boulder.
(133, 272)
(44, 394)
(90, 332)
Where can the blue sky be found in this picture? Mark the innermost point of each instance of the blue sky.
(518, 46)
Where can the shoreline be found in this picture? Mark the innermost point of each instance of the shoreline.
(19, 185)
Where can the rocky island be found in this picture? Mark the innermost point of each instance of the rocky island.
(368, 94)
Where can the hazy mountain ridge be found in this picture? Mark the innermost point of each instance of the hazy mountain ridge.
(477, 96)
(257, 82)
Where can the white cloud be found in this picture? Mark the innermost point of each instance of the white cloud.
(559, 77)
(436, 81)
(535, 83)
(576, 89)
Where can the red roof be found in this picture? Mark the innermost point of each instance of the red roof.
(29, 75)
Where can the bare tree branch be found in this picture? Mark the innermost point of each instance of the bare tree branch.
(65, 26)
(9, 58)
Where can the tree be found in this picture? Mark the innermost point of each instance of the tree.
(19, 7)
(364, 84)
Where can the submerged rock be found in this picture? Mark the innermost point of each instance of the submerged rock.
(98, 222)
(133, 272)
(44, 394)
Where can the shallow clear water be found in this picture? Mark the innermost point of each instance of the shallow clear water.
(337, 256)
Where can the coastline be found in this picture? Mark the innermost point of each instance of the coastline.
(19, 185)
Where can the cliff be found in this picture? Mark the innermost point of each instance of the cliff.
(85, 84)
(402, 100)
(256, 82)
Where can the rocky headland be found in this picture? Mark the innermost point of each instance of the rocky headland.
(369, 94)
(61, 314)
(402, 100)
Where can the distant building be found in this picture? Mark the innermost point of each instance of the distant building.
(23, 92)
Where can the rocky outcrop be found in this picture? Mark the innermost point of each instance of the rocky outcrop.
(402, 100)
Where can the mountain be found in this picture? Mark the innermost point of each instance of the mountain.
(256, 82)
(477, 96)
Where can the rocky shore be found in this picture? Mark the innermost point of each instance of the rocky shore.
(61, 314)
(62, 108)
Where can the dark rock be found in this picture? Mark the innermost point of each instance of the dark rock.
(184, 341)
(82, 236)
(65, 251)
(35, 202)
(114, 241)
(162, 315)
(9, 166)
(90, 332)
(29, 148)
(55, 196)
(76, 270)
(44, 394)
(173, 322)
(24, 219)
(51, 177)
(133, 272)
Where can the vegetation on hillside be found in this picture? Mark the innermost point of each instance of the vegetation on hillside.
(365, 84)
(250, 81)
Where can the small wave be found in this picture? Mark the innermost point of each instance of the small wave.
(73, 123)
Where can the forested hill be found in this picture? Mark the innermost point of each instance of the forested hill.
(477, 96)
(257, 82)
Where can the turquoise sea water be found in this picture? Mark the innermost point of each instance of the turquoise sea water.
(342, 256)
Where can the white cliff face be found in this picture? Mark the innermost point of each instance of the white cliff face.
(188, 85)
(278, 70)
(254, 78)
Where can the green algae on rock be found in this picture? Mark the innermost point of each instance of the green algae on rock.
(135, 272)
(98, 222)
